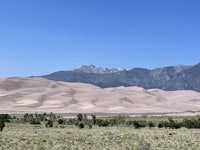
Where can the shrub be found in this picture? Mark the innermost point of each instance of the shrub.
(144, 146)
(102, 123)
(192, 123)
(90, 126)
(93, 119)
(160, 125)
(35, 121)
(170, 124)
(60, 121)
(5, 117)
(2, 125)
(139, 124)
(177, 125)
(151, 124)
(81, 125)
(79, 117)
(105, 123)
(49, 124)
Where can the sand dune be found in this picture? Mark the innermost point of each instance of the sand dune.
(42, 95)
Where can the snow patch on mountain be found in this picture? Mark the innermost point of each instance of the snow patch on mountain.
(99, 70)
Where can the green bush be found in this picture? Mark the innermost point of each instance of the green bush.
(170, 124)
(151, 124)
(191, 123)
(35, 121)
(102, 123)
(79, 117)
(93, 119)
(90, 126)
(2, 125)
(160, 125)
(60, 121)
(49, 124)
(5, 117)
(139, 124)
(81, 125)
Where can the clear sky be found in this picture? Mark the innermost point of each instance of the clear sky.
(38, 37)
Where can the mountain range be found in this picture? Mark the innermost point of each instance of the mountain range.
(170, 78)
(164, 90)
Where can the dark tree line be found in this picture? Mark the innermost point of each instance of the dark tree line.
(84, 120)
(191, 123)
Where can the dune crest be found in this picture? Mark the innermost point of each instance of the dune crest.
(42, 95)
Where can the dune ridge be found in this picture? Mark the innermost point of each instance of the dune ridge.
(42, 95)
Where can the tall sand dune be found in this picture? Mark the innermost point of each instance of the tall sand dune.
(18, 95)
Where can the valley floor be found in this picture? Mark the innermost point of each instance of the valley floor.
(36, 137)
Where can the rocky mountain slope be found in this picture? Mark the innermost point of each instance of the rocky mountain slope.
(168, 78)
(99, 70)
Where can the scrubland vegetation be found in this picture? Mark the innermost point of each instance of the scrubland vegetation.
(49, 131)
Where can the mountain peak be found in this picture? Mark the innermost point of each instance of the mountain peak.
(95, 69)
(169, 78)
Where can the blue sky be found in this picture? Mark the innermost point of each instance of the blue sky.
(38, 37)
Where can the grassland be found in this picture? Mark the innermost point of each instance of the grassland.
(18, 136)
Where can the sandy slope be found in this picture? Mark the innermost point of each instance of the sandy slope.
(38, 94)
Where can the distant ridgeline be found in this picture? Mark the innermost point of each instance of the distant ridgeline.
(167, 78)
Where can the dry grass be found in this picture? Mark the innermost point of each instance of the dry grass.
(30, 137)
